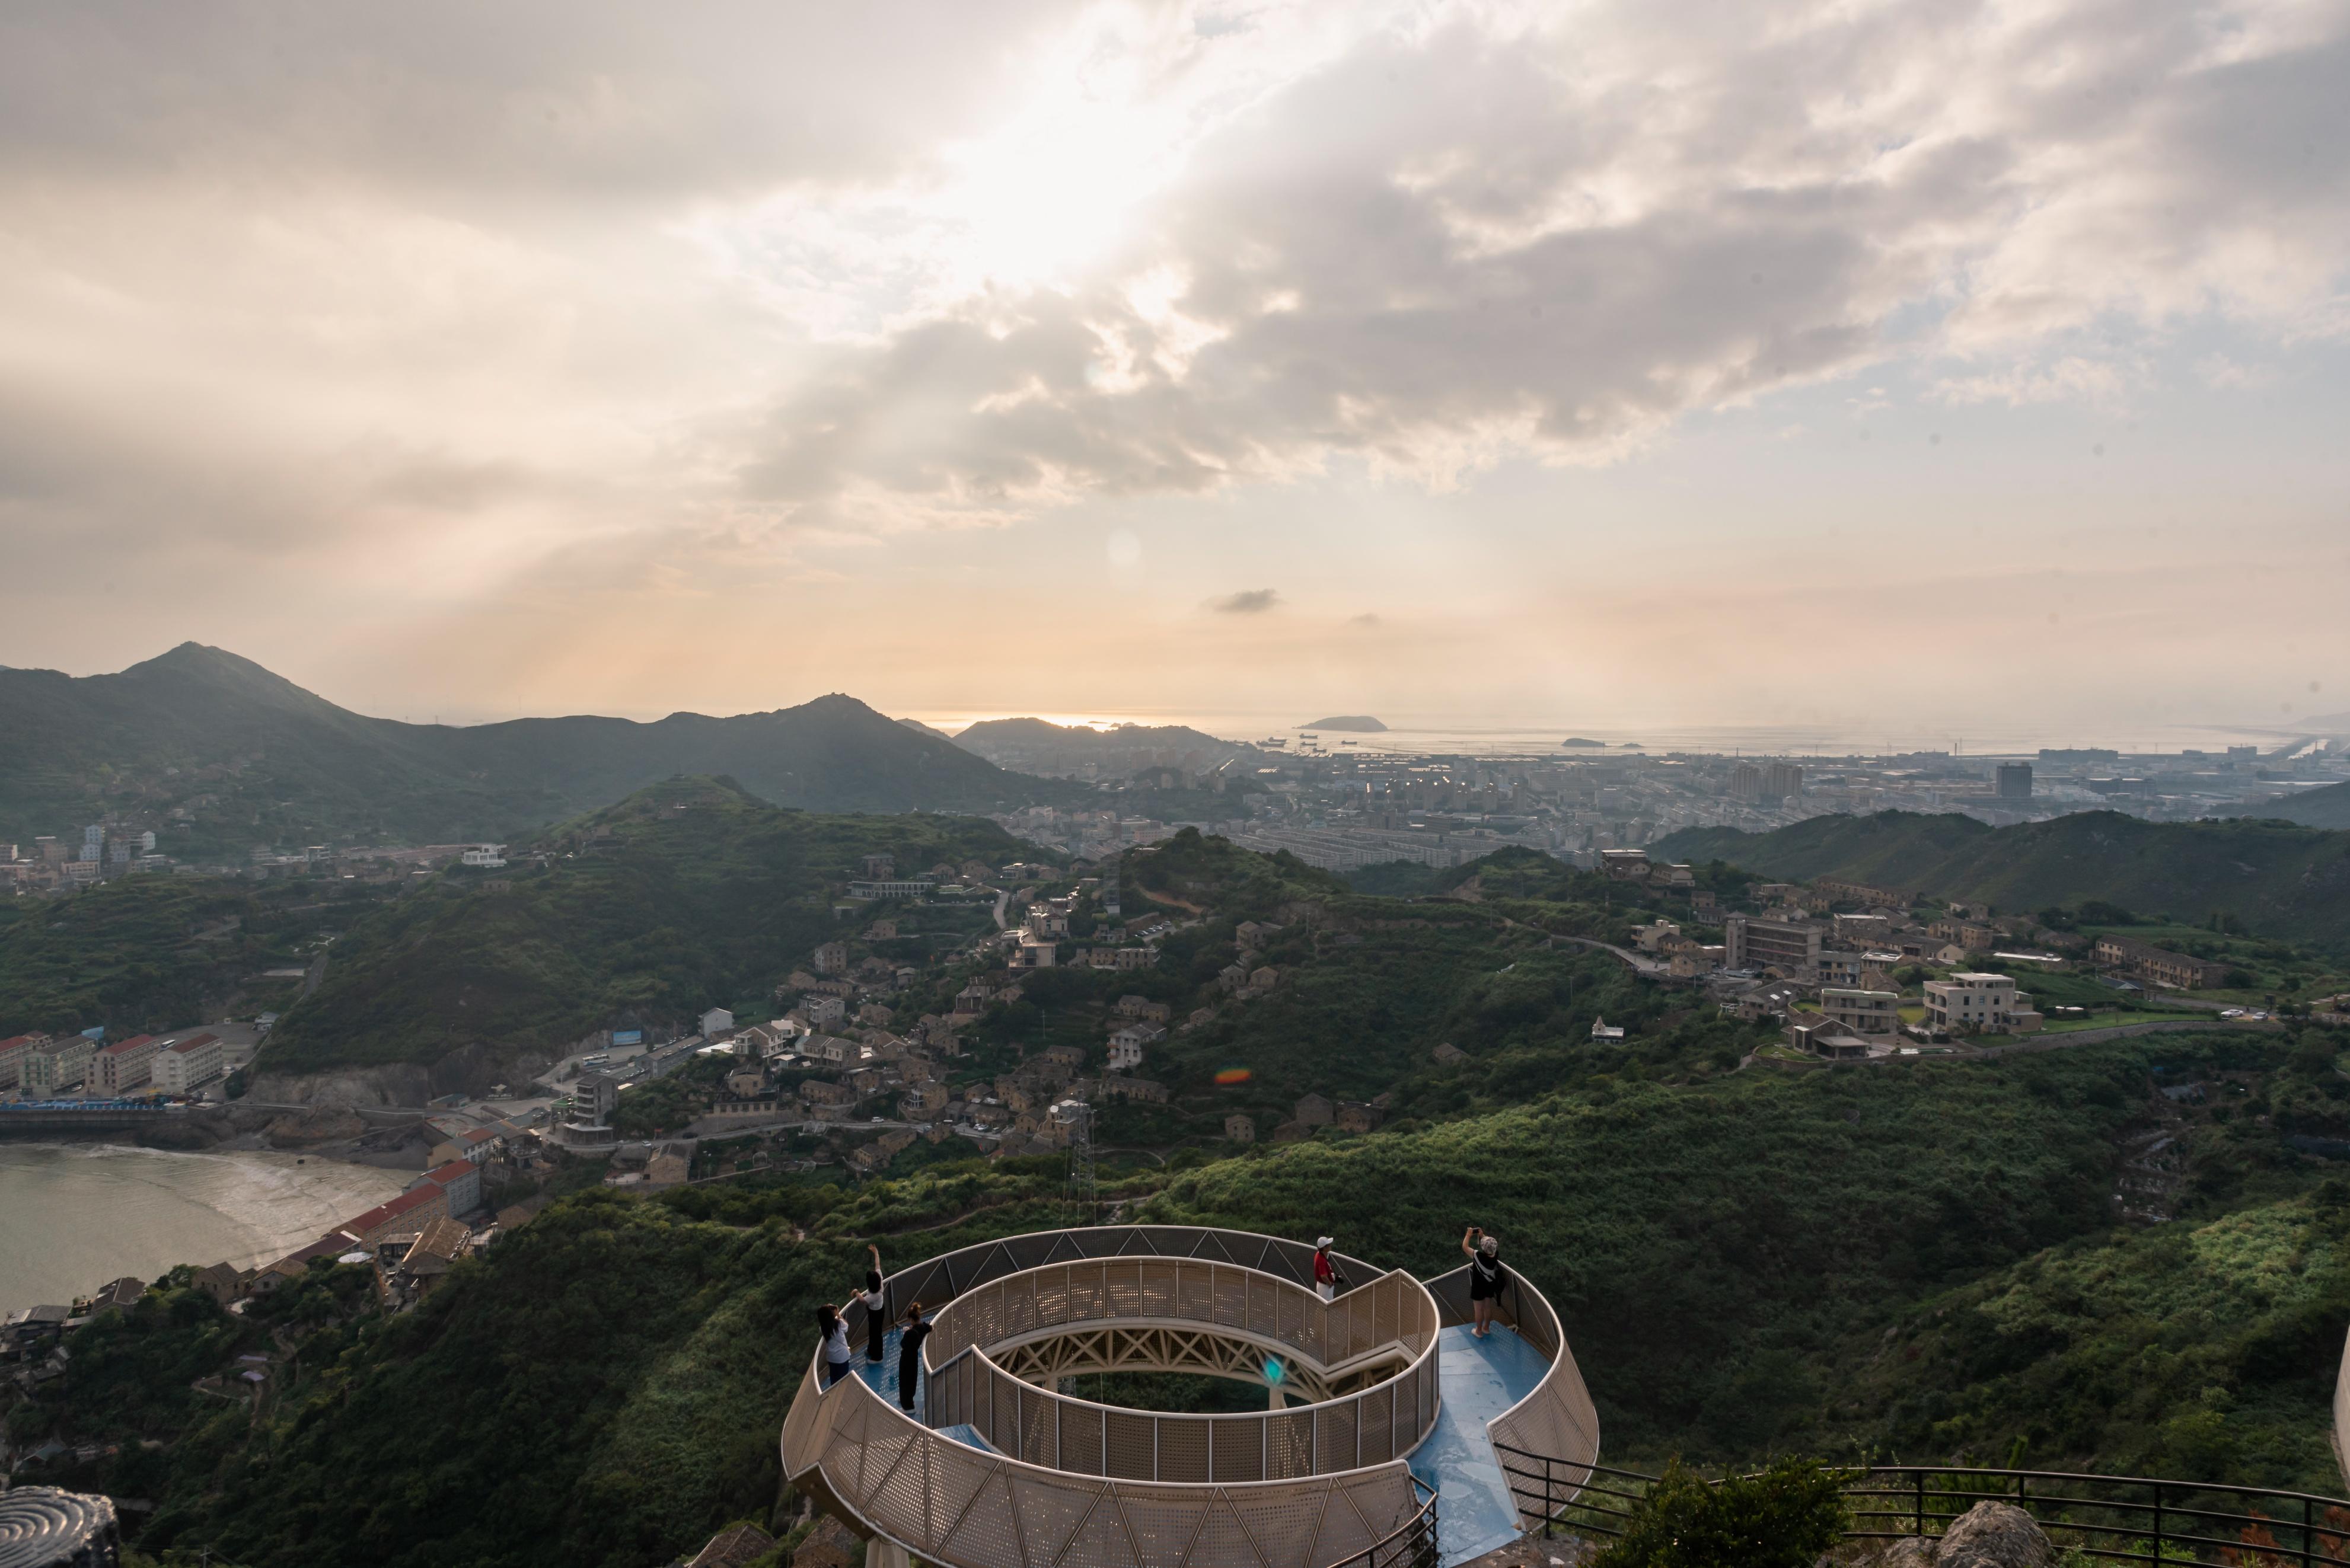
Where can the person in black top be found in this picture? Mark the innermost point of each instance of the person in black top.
(1487, 1278)
(876, 1320)
(910, 1356)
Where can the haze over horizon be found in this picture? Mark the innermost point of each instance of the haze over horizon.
(1626, 365)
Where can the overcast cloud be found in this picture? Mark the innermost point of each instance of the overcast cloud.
(489, 314)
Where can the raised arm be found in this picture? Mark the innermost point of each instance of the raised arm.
(1469, 1241)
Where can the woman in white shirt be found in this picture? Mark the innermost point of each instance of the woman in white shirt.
(834, 1329)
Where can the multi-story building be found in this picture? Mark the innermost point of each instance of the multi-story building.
(127, 1063)
(53, 1066)
(2159, 965)
(1838, 967)
(1791, 947)
(832, 958)
(1862, 930)
(1975, 936)
(1862, 1012)
(185, 1063)
(1978, 1004)
(1782, 781)
(1843, 892)
(878, 888)
(13, 1051)
(2014, 780)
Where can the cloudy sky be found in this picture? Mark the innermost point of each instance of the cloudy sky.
(1648, 363)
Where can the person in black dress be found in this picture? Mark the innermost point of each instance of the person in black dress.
(1487, 1278)
(910, 1356)
(876, 1320)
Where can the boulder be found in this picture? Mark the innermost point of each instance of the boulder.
(1994, 1535)
(1988, 1535)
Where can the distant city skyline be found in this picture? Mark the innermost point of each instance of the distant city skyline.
(1798, 367)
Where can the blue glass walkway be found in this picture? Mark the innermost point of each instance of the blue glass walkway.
(1477, 1380)
(881, 1376)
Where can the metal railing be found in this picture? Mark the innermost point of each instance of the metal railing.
(1031, 1488)
(1412, 1546)
(1382, 1421)
(2110, 1518)
(1556, 1417)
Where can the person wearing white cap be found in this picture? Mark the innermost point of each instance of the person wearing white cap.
(1486, 1276)
(1327, 1280)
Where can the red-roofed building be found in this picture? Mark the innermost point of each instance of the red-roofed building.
(403, 1216)
(127, 1063)
(12, 1057)
(295, 1264)
(460, 1179)
(182, 1061)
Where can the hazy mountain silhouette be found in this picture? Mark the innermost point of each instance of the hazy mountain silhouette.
(274, 758)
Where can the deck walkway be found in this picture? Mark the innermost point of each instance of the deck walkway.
(1477, 1380)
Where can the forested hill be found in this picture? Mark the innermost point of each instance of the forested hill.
(1035, 743)
(2277, 879)
(693, 895)
(2326, 807)
(257, 759)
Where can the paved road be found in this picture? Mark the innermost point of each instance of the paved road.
(1641, 964)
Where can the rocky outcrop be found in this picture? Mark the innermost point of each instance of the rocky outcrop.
(1988, 1535)
(470, 1070)
(325, 1123)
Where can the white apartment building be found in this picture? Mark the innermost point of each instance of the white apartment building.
(55, 1065)
(869, 889)
(1978, 1004)
(13, 1052)
(1862, 1012)
(126, 1065)
(187, 1061)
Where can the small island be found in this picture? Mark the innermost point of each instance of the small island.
(1361, 723)
(1583, 741)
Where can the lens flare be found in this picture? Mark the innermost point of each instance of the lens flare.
(1232, 1076)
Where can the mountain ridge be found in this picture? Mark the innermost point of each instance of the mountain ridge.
(279, 764)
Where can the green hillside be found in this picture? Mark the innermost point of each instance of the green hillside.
(252, 758)
(1366, 989)
(149, 954)
(2276, 878)
(697, 895)
(1918, 1260)
(2328, 806)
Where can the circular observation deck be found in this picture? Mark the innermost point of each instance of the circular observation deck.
(996, 1469)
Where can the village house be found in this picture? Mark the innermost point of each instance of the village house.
(1240, 1128)
(2158, 966)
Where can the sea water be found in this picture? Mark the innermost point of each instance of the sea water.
(75, 1216)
